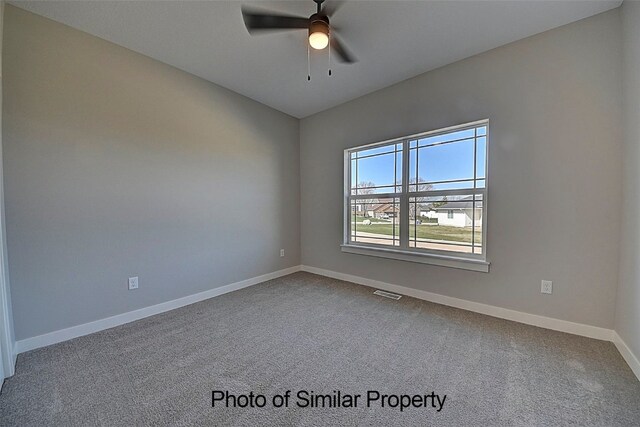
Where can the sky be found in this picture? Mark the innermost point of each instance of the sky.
(435, 162)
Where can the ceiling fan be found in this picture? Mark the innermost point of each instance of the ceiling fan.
(321, 33)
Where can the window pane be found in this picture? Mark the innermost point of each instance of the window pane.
(458, 185)
(384, 149)
(452, 136)
(446, 162)
(377, 170)
(354, 178)
(477, 229)
(375, 221)
(446, 223)
(481, 154)
(376, 174)
(412, 170)
(398, 187)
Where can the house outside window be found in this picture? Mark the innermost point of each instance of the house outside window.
(421, 196)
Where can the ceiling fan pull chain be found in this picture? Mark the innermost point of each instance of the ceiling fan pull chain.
(308, 64)
(329, 54)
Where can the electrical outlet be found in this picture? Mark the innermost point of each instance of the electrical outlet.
(546, 287)
(133, 283)
(281, 253)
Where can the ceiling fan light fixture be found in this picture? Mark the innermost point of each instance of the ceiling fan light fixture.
(319, 34)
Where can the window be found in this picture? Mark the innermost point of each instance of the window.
(420, 198)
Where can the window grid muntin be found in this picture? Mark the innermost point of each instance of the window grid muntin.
(474, 179)
(354, 157)
(476, 203)
(393, 201)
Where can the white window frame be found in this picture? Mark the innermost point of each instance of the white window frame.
(474, 262)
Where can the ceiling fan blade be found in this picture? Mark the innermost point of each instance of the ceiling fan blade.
(341, 50)
(258, 21)
(330, 7)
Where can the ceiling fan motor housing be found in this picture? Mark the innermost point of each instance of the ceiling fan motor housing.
(318, 24)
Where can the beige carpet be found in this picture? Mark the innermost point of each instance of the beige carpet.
(307, 332)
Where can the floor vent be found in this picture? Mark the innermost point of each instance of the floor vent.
(387, 294)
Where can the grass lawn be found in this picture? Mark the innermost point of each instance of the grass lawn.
(434, 232)
(362, 218)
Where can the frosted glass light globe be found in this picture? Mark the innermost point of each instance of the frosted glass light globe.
(318, 40)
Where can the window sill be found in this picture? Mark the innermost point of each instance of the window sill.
(441, 260)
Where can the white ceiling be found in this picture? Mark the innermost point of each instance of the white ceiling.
(393, 40)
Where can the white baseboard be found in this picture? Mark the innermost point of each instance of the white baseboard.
(120, 319)
(490, 310)
(503, 313)
(627, 354)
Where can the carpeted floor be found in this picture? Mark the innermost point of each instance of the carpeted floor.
(307, 332)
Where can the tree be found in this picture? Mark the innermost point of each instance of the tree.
(364, 188)
(417, 185)
(444, 201)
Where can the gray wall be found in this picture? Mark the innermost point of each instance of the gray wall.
(117, 165)
(628, 308)
(7, 336)
(555, 161)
